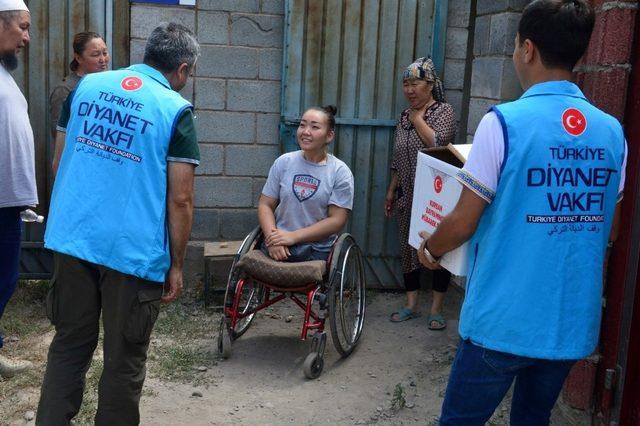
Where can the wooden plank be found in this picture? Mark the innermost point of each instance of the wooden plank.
(387, 79)
(331, 75)
(76, 23)
(313, 53)
(120, 37)
(294, 51)
(350, 54)
(221, 248)
(96, 16)
(424, 28)
(368, 57)
(405, 46)
(382, 142)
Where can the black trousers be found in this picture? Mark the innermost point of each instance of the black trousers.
(440, 280)
(79, 292)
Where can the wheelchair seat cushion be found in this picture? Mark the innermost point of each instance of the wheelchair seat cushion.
(281, 274)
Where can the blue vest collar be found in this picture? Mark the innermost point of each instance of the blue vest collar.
(151, 72)
(562, 87)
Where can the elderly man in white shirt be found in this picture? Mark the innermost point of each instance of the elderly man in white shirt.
(17, 168)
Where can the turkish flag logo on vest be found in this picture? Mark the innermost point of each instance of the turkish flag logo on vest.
(131, 83)
(437, 184)
(574, 122)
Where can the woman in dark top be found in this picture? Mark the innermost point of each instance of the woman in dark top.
(429, 121)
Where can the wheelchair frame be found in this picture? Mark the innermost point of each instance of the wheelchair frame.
(330, 295)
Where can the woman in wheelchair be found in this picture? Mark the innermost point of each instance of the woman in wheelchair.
(306, 200)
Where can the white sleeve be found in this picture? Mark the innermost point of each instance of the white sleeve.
(482, 169)
(623, 173)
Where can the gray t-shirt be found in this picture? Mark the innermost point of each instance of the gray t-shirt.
(305, 191)
(17, 166)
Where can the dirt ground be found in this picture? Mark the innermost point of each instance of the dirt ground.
(396, 376)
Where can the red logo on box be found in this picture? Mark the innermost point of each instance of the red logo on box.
(574, 121)
(437, 184)
(131, 83)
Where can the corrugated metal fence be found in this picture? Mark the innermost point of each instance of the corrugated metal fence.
(351, 53)
(42, 66)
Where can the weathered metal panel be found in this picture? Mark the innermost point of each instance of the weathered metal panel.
(351, 53)
(42, 66)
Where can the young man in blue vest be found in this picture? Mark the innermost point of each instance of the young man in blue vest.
(119, 222)
(542, 184)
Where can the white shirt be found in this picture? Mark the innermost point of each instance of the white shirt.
(17, 164)
(486, 156)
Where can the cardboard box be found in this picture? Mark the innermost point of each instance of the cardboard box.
(435, 194)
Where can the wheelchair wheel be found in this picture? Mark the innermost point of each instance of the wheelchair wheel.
(346, 295)
(252, 293)
(313, 365)
(224, 340)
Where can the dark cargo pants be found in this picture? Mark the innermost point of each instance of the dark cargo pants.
(79, 292)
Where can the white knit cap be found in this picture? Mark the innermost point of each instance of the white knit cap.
(10, 5)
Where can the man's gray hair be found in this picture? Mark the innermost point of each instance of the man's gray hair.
(7, 16)
(171, 45)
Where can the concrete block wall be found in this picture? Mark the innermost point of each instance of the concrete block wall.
(493, 77)
(236, 94)
(456, 63)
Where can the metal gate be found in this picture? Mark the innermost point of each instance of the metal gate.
(351, 53)
(42, 66)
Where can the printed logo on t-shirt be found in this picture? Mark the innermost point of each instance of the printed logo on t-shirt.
(131, 83)
(437, 184)
(304, 186)
(574, 121)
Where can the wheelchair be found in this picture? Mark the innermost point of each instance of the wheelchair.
(334, 288)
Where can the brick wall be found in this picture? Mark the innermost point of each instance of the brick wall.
(493, 77)
(236, 93)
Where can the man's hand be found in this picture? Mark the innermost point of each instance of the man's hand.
(172, 285)
(421, 255)
(279, 252)
(278, 237)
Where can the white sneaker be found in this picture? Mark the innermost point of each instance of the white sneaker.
(9, 368)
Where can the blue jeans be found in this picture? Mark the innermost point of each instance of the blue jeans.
(481, 377)
(10, 232)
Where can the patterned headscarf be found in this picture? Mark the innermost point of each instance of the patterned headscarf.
(423, 69)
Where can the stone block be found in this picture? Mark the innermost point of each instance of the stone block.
(223, 192)
(454, 73)
(458, 13)
(206, 224)
(270, 64)
(227, 61)
(454, 98)
(226, 127)
(268, 129)
(259, 96)
(610, 29)
(236, 224)
(258, 184)
(504, 27)
(249, 160)
(213, 27)
(275, 7)
(477, 109)
(211, 159)
(145, 18)
(256, 30)
(481, 36)
(494, 78)
(485, 7)
(210, 93)
(136, 50)
(229, 5)
(456, 43)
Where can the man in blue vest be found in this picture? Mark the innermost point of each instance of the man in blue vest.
(541, 190)
(119, 222)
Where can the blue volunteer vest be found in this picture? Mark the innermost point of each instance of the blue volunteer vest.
(534, 286)
(109, 199)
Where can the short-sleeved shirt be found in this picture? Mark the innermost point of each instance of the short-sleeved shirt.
(58, 96)
(183, 147)
(17, 164)
(306, 189)
(482, 168)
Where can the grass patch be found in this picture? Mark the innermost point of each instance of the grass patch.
(90, 396)
(178, 363)
(398, 401)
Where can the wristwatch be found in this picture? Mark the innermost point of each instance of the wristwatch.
(431, 258)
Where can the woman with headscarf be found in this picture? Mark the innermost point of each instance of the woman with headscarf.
(429, 121)
(90, 54)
